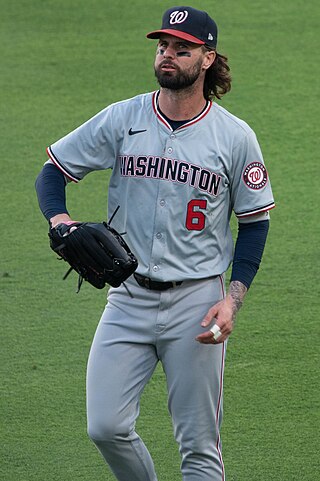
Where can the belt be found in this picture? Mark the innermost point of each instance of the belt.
(155, 285)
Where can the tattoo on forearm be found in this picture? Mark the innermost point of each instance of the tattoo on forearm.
(237, 291)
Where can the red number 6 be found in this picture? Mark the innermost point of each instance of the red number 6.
(195, 219)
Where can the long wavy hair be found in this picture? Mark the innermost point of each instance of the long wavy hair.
(218, 79)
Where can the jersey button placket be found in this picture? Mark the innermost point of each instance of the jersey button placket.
(169, 143)
(159, 239)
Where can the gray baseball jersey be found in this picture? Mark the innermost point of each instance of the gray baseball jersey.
(212, 165)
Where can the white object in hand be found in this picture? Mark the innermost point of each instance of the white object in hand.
(215, 329)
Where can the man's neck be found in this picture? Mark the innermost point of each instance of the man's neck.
(181, 104)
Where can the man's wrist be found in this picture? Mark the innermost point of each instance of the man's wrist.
(237, 292)
(59, 219)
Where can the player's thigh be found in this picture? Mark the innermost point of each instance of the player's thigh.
(194, 374)
(194, 371)
(118, 370)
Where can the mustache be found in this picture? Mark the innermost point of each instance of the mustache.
(167, 63)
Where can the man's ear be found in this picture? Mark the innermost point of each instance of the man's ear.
(209, 59)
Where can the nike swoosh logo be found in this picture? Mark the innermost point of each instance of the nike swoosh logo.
(134, 132)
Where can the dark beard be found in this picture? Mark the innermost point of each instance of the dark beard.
(179, 81)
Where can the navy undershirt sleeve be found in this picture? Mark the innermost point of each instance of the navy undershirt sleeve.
(248, 251)
(50, 188)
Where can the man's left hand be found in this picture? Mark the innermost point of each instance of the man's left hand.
(223, 315)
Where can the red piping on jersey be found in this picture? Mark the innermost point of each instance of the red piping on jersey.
(220, 393)
(59, 166)
(257, 211)
(155, 109)
(187, 124)
(218, 410)
(222, 286)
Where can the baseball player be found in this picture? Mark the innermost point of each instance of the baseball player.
(180, 165)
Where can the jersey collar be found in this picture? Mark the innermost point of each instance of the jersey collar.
(187, 124)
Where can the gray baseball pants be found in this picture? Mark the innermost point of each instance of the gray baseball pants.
(133, 335)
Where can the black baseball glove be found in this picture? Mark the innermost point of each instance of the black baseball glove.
(96, 251)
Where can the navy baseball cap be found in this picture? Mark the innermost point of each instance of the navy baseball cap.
(189, 24)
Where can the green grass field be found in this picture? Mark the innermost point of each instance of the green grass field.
(61, 62)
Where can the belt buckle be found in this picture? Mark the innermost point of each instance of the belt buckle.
(146, 282)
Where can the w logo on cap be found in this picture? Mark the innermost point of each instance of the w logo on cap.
(178, 17)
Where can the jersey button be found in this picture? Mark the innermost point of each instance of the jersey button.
(158, 235)
(155, 268)
(170, 150)
(162, 202)
(172, 136)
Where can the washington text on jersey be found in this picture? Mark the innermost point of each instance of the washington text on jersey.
(170, 169)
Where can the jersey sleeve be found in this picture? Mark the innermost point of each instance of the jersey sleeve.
(251, 191)
(89, 147)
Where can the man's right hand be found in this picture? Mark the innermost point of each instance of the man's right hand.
(60, 219)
